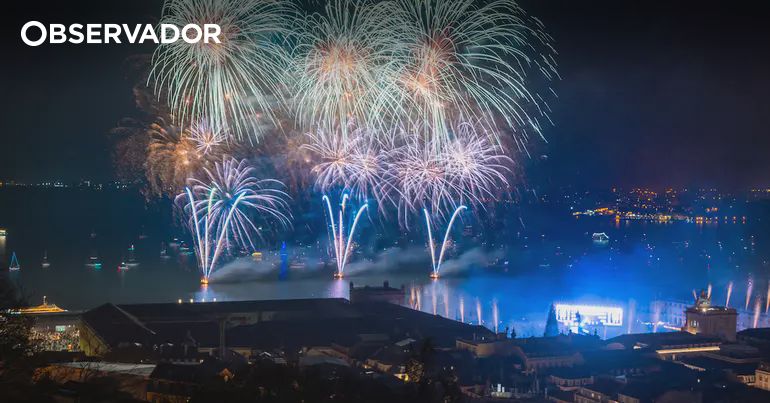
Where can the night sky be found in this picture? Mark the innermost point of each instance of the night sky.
(652, 93)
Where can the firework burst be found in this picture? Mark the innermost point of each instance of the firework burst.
(473, 62)
(231, 188)
(233, 83)
(221, 210)
(475, 165)
(356, 163)
(344, 66)
(171, 159)
(468, 169)
(207, 138)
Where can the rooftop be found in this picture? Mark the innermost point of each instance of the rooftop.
(274, 324)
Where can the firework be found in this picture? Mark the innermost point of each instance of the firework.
(729, 293)
(341, 245)
(749, 290)
(233, 83)
(478, 312)
(436, 263)
(495, 315)
(473, 61)
(206, 137)
(358, 165)
(231, 189)
(344, 66)
(767, 298)
(220, 215)
(757, 307)
(475, 165)
(468, 170)
(421, 177)
(129, 151)
(171, 159)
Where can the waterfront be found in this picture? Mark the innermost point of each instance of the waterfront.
(554, 260)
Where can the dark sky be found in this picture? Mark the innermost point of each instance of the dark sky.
(652, 93)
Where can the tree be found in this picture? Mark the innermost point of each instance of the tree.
(16, 363)
(551, 326)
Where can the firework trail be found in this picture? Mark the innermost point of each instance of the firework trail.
(495, 315)
(474, 61)
(757, 307)
(478, 311)
(436, 263)
(462, 310)
(767, 298)
(729, 293)
(221, 214)
(341, 246)
(631, 312)
(708, 293)
(445, 297)
(749, 290)
(233, 83)
(656, 317)
(434, 298)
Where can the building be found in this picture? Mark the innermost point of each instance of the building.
(386, 293)
(570, 379)
(758, 337)
(535, 353)
(601, 391)
(249, 327)
(710, 320)
(762, 376)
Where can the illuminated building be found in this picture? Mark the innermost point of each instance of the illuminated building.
(591, 315)
(709, 320)
(762, 378)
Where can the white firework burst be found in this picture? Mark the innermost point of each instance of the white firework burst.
(235, 83)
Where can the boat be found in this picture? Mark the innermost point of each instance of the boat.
(184, 249)
(93, 261)
(14, 266)
(163, 251)
(46, 264)
(123, 266)
(3, 232)
(44, 308)
(600, 238)
(131, 262)
(297, 264)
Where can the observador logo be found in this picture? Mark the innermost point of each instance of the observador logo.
(35, 33)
